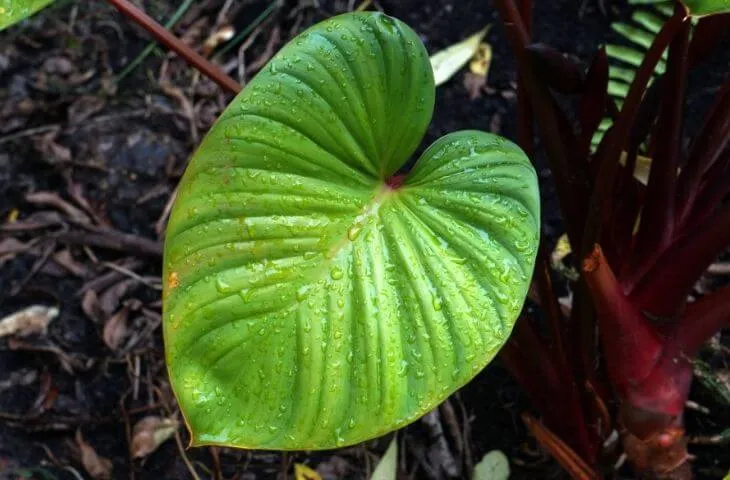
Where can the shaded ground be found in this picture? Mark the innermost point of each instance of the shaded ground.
(87, 168)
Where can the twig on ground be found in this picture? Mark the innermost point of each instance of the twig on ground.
(150, 47)
(131, 274)
(113, 240)
(171, 41)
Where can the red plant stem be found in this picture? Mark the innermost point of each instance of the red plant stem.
(544, 110)
(631, 345)
(171, 41)
(712, 191)
(664, 288)
(658, 216)
(527, 359)
(709, 33)
(628, 204)
(700, 321)
(525, 132)
(525, 136)
(562, 453)
(706, 148)
(593, 101)
(615, 140)
(550, 306)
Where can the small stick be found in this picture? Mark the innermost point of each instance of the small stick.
(171, 41)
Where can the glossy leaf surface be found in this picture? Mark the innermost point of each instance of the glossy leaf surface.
(13, 11)
(701, 8)
(309, 305)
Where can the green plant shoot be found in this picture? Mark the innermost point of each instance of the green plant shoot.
(311, 301)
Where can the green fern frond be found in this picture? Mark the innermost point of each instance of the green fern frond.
(625, 58)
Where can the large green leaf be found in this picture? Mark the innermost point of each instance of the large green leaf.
(13, 11)
(701, 8)
(307, 303)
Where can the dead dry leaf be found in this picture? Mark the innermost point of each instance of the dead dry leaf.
(52, 153)
(9, 248)
(447, 62)
(482, 60)
(84, 107)
(303, 472)
(218, 37)
(98, 467)
(474, 84)
(151, 432)
(111, 298)
(29, 321)
(91, 307)
(66, 260)
(115, 329)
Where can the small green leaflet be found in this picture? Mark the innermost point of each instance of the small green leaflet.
(307, 303)
(13, 11)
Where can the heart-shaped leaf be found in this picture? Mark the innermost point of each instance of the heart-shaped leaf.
(309, 302)
(13, 11)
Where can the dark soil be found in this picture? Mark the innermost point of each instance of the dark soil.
(114, 152)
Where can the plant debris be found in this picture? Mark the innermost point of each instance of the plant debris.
(29, 321)
(151, 432)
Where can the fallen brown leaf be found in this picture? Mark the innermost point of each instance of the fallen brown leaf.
(112, 296)
(98, 467)
(66, 260)
(30, 320)
(84, 107)
(216, 38)
(91, 307)
(303, 472)
(149, 433)
(474, 84)
(52, 153)
(9, 248)
(115, 329)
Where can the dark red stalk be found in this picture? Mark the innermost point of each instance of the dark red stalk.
(700, 321)
(528, 360)
(171, 41)
(533, 366)
(624, 214)
(712, 192)
(664, 289)
(576, 467)
(548, 299)
(558, 71)
(525, 125)
(658, 215)
(630, 343)
(569, 188)
(593, 102)
(709, 33)
(706, 148)
(615, 140)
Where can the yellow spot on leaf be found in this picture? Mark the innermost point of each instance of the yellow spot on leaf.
(173, 280)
